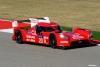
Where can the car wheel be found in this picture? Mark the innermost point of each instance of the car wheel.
(18, 36)
(53, 41)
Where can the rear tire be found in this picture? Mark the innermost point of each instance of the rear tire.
(52, 41)
(18, 36)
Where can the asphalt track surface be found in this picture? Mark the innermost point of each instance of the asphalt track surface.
(28, 55)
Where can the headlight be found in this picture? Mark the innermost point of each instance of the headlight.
(62, 36)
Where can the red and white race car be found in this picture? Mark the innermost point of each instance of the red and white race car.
(43, 31)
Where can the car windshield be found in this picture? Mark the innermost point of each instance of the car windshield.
(50, 29)
(47, 29)
(58, 28)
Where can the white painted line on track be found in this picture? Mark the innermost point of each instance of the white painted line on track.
(91, 65)
(10, 30)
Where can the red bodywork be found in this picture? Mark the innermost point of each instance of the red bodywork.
(77, 36)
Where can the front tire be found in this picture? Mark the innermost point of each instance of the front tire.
(18, 36)
(53, 41)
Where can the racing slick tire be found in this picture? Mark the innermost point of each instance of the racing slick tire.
(18, 36)
(52, 41)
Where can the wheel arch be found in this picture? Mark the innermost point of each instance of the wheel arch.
(56, 36)
(23, 33)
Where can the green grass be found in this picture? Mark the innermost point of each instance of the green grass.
(96, 35)
(27, 27)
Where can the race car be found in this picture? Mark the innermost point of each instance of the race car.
(43, 31)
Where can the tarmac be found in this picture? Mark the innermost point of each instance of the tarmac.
(13, 54)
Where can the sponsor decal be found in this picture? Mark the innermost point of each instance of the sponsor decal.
(30, 38)
(63, 41)
(77, 37)
(31, 33)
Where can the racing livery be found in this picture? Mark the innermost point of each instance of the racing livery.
(43, 31)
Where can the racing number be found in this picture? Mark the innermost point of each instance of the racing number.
(43, 40)
(40, 40)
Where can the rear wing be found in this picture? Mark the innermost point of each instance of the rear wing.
(32, 21)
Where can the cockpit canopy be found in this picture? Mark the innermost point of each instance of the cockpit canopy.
(47, 29)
